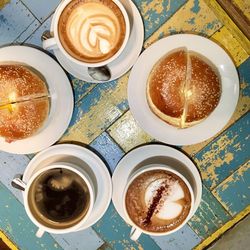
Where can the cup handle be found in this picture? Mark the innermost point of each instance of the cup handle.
(18, 183)
(135, 234)
(39, 233)
(49, 44)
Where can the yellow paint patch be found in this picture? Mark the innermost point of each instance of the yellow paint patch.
(127, 133)
(7, 241)
(153, 5)
(231, 45)
(185, 20)
(223, 229)
(3, 3)
(230, 25)
(90, 124)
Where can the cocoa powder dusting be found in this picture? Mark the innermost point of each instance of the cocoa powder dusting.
(154, 203)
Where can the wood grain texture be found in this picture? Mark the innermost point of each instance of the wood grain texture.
(210, 215)
(243, 106)
(14, 20)
(231, 26)
(225, 154)
(193, 17)
(233, 193)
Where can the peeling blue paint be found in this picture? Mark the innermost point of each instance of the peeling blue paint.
(196, 7)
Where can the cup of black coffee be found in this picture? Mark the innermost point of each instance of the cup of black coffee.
(157, 200)
(59, 198)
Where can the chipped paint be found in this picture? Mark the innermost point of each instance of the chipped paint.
(3, 3)
(203, 22)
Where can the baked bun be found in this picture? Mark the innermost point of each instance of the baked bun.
(183, 88)
(24, 102)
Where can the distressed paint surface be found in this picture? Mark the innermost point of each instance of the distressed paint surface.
(184, 239)
(108, 149)
(17, 226)
(101, 117)
(41, 9)
(127, 133)
(14, 19)
(210, 215)
(225, 154)
(116, 234)
(226, 40)
(244, 6)
(193, 17)
(243, 105)
(157, 12)
(234, 192)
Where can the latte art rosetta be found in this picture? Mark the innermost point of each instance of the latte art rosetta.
(93, 31)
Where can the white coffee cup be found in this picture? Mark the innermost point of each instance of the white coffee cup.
(137, 231)
(54, 42)
(26, 186)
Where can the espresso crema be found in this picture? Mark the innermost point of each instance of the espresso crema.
(91, 31)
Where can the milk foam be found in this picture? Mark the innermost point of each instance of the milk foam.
(93, 29)
(168, 207)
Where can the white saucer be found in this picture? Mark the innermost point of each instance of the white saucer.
(127, 58)
(78, 155)
(151, 154)
(61, 106)
(159, 129)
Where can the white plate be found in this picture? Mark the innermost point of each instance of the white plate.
(77, 155)
(151, 154)
(127, 58)
(62, 101)
(218, 118)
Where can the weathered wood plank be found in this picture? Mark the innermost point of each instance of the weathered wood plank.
(184, 239)
(41, 9)
(243, 106)
(233, 193)
(156, 12)
(127, 133)
(226, 40)
(108, 149)
(225, 154)
(209, 217)
(244, 6)
(231, 26)
(17, 226)
(193, 17)
(112, 228)
(14, 19)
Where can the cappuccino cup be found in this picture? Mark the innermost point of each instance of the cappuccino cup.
(157, 200)
(58, 198)
(89, 33)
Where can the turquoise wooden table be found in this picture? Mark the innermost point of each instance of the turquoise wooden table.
(103, 120)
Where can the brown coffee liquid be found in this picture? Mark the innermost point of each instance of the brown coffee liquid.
(91, 31)
(59, 198)
(158, 201)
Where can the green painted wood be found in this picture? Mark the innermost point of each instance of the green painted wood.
(15, 223)
(233, 193)
(210, 215)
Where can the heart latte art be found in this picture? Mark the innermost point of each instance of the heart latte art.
(91, 31)
(158, 201)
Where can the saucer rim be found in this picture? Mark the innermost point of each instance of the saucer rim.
(87, 156)
(139, 32)
(137, 156)
(61, 98)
